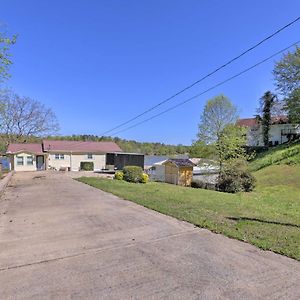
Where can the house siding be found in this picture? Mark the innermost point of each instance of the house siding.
(159, 174)
(255, 135)
(72, 161)
(58, 163)
(99, 161)
(25, 166)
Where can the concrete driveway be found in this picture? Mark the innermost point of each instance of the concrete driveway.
(61, 239)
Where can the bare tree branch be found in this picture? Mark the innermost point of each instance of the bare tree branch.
(21, 117)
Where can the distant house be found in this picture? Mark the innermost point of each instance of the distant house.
(281, 131)
(57, 155)
(179, 171)
(157, 171)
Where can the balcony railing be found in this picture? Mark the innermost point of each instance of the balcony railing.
(288, 131)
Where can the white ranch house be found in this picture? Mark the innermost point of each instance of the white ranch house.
(280, 131)
(59, 155)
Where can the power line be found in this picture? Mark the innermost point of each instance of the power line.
(204, 77)
(209, 89)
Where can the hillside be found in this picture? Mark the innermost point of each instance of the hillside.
(288, 154)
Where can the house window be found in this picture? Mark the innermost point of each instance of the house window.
(29, 160)
(90, 156)
(20, 160)
(59, 156)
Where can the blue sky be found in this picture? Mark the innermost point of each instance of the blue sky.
(98, 63)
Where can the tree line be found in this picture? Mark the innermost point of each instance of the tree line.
(147, 148)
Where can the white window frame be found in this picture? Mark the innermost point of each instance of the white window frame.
(59, 156)
(29, 162)
(90, 156)
(20, 163)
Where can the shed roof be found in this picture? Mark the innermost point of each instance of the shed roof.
(19, 147)
(180, 162)
(78, 146)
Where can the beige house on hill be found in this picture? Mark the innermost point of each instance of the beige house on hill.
(281, 131)
(58, 155)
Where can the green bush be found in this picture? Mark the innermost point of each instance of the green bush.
(199, 184)
(234, 180)
(87, 166)
(145, 178)
(248, 181)
(119, 175)
(133, 174)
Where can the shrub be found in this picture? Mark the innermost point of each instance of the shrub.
(87, 166)
(210, 186)
(229, 182)
(199, 184)
(133, 173)
(145, 178)
(234, 180)
(248, 181)
(119, 175)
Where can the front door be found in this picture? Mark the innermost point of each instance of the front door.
(40, 162)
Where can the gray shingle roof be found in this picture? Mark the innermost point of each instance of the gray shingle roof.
(181, 162)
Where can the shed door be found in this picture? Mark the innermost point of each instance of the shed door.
(186, 176)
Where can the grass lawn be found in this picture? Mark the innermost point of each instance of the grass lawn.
(269, 217)
(282, 154)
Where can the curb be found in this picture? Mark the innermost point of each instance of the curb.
(4, 182)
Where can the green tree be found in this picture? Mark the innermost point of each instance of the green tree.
(201, 150)
(287, 78)
(234, 175)
(217, 114)
(287, 72)
(230, 147)
(267, 102)
(5, 56)
(293, 106)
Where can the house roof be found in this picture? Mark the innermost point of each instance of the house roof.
(250, 122)
(78, 146)
(20, 147)
(180, 162)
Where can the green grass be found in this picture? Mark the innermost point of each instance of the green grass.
(283, 154)
(269, 217)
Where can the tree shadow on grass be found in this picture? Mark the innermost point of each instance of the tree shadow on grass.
(262, 221)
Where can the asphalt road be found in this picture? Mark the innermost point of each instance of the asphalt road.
(61, 239)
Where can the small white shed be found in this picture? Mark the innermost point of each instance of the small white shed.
(157, 171)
